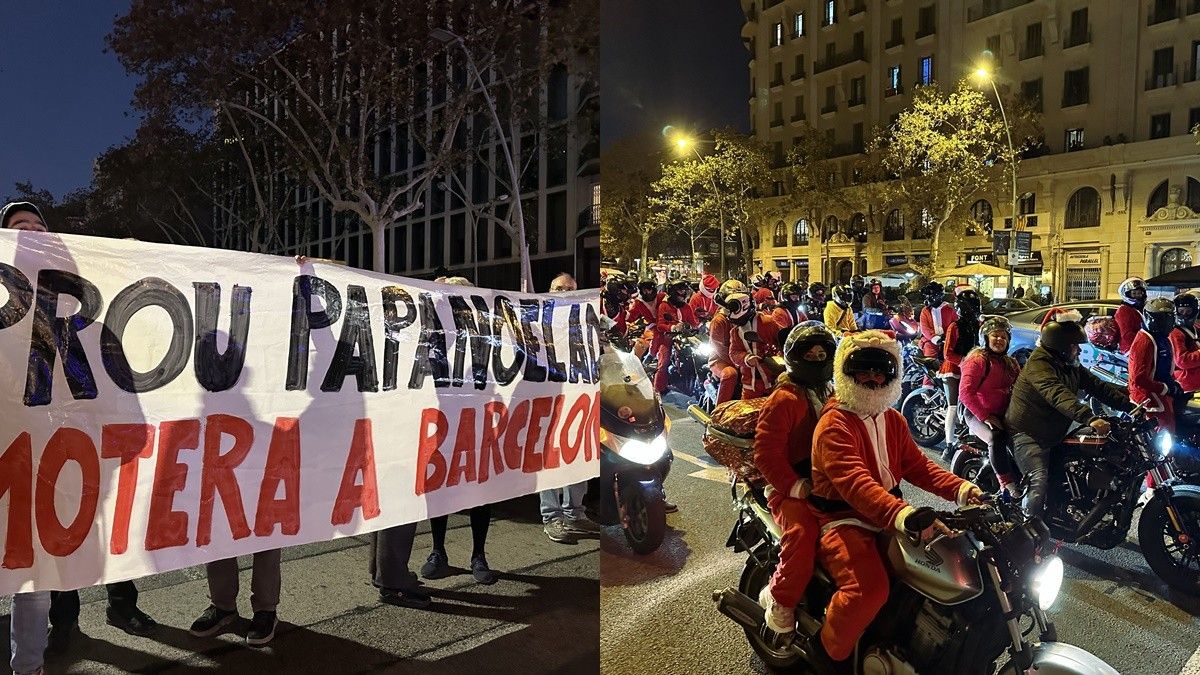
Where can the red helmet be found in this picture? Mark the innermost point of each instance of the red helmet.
(1102, 332)
(764, 296)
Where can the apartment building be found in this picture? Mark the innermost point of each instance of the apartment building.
(1116, 192)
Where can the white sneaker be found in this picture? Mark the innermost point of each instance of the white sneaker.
(780, 619)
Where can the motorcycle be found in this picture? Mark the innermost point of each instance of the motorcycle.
(955, 605)
(913, 374)
(689, 361)
(925, 406)
(634, 455)
(1094, 490)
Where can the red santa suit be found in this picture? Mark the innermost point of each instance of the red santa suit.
(1143, 355)
(934, 324)
(1129, 322)
(618, 316)
(641, 310)
(786, 318)
(748, 356)
(668, 316)
(703, 304)
(782, 453)
(1186, 349)
(862, 449)
(719, 363)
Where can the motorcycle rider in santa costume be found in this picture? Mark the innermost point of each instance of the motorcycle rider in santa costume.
(1151, 363)
(862, 449)
(1185, 345)
(782, 453)
(936, 317)
(702, 303)
(672, 314)
(789, 313)
(753, 338)
(1129, 314)
(718, 331)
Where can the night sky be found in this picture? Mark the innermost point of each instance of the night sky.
(678, 62)
(63, 99)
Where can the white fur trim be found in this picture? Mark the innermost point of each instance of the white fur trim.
(904, 512)
(800, 489)
(1072, 315)
(963, 491)
(858, 399)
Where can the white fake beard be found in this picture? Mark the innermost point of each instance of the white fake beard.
(861, 400)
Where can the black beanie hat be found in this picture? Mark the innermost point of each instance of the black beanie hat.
(12, 208)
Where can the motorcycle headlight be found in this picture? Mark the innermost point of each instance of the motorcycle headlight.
(1047, 581)
(1165, 443)
(704, 349)
(641, 452)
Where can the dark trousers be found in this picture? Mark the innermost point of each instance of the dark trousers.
(64, 605)
(1033, 460)
(390, 550)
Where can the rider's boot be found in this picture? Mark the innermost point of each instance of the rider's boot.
(781, 620)
(822, 663)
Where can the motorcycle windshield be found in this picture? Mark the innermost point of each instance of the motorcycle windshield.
(623, 383)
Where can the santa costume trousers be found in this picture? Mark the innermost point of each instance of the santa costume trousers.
(850, 555)
(727, 374)
(797, 549)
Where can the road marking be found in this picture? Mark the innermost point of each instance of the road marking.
(1192, 667)
(694, 460)
(714, 475)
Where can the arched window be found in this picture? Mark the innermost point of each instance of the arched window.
(1174, 259)
(857, 227)
(800, 233)
(893, 227)
(780, 238)
(981, 218)
(831, 226)
(1158, 199)
(1193, 194)
(923, 227)
(1083, 209)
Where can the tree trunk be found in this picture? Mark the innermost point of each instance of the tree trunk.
(645, 255)
(747, 252)
(379, 250)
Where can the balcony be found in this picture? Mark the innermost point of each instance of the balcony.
(1077, 96)
(1162, 79)
(828, 108)
(987, 8)
(857, 8)
(843, 149)
(1077, 37)
(856, 101)
(798, 75)
(898, 40)
(777, 82)
(926, 31)
(799, 117)
(1161, 12)
(893, 91)
(840, 59)
(1032, 48)
(1193, 7)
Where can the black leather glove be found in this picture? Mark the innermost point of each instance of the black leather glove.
(920, 520)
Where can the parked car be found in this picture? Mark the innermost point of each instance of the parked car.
(1008, 305)
(1027, 325)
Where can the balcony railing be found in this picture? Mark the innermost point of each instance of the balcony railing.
(857, 8)
(1159, 79)
(1162, 11)
(856, 100)
(777, 82)
(898, 40)
(987, 8)
(1074, 38)
(1032, 49)
(828, 108)
(1193, 7)
(776, 122)
(840, 59)
(798, 117)
(893, 91)
(798, 75)
(1076, 96)
(923, 31)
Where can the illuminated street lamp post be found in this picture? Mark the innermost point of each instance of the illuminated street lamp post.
(984, 74)
(682, 144)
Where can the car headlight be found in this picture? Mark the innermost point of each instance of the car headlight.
(641, 452)
(1047, 581)
(704, 349)
(1165, 443)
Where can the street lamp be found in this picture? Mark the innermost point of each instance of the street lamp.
(983, 74)
(446, 37)
(683, 143)
(471, 226)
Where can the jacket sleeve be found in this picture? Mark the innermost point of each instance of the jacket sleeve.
(771, 437)
(836, 451)
(1184, 358)
(737, 347)
(927, 329)
(666, 318)
(1109, 394)
(830, 316)
(921, 471)
(1128, 325)
(1141, 367)
(1046, 382)
(688, 316)
(780, 316)
(971, 372)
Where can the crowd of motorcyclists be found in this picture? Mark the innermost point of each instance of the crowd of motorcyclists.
(831, 449)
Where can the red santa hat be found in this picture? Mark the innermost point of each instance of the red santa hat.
(763, 295)
(709, 285)
(1061, 315)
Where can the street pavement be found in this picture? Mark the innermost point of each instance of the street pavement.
(658, 615)
(540, 617)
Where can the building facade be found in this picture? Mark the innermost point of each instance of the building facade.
(1117, 193)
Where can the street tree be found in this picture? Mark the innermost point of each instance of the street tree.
(947, 149)
(67, 214)
(683, 199)
(743, 173)
(629, 167)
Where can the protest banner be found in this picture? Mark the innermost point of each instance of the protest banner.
(165, 406)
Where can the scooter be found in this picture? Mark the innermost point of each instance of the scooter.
(635, 457)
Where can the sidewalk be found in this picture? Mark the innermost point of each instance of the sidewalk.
(541, 616)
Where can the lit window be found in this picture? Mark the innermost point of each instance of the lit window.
(893, 79)
(830, 13)
(798, 24)
(926, 70)
(1074, 139)
(777, 35)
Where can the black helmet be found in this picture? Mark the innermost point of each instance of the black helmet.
(872, 359)
(1186, 308)
(1058, 336)
(1159, 315)
(934, 293)
(875, 282)
(968, 303)
(800, 341)
(615, 290)
(843, 295)
(677, 292)
(648, 289)
(856, 281)
(816, 287)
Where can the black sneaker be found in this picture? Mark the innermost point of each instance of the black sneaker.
(557, 531)
(480, 570)
(213, 621)
(436, 566)
(262, 628)
(58, 640)
(130, 619)
(411, 598)
(670, 507)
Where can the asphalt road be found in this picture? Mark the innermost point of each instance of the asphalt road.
(540, 617)
(658, 616)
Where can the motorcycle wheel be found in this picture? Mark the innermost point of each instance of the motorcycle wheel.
(1175, 563)
(924, 409)
(754, 578)
(969, 464)
(647, 518)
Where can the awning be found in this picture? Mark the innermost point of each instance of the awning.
(1188, 276)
